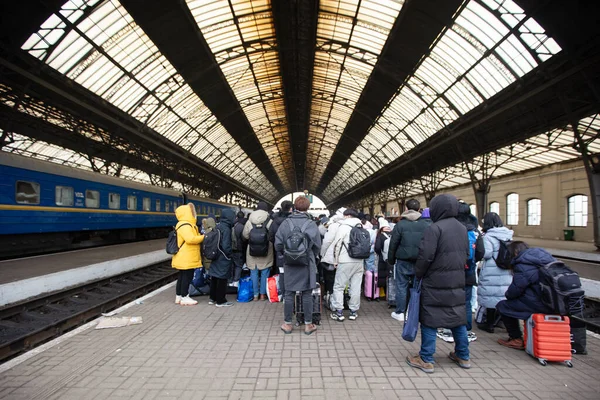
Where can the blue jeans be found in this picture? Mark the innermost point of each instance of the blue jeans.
(429, 335)
(404, 274)
(264, 274)
(468, 298)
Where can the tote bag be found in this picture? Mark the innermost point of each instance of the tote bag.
(411, 317)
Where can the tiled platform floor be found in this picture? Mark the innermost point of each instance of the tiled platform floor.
(204, 352)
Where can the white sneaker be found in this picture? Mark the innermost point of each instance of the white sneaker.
(398, 317)
(445, 335)
(188, 301)
(471, 336)
(227, 304)
(177, 299)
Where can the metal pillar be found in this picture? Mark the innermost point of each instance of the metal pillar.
(481, 171)
(592, 169)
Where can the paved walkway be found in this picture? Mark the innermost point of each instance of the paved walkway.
(204, 352)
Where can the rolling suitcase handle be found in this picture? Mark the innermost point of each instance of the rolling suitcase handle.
(553, 318)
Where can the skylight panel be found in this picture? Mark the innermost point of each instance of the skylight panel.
(254, 75)
(481, 54)
(339, 72)
(110, 55)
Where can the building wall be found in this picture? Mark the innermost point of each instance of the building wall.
(553, 185)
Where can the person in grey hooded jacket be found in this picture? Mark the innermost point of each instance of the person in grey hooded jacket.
(349, 270)
(299, 278)
(493, 281)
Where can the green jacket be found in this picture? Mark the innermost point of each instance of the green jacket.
(406, 237)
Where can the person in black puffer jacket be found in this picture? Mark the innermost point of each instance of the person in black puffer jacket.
(441, 266)
(524, 296)
(220, 269)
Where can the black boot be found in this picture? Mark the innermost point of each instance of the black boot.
(490, 318)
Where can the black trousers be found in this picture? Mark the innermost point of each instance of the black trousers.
(513, 327)
(183, 282)
(218, 290)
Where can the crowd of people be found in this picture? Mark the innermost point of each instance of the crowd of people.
(441, 246)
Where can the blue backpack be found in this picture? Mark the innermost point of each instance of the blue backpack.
(472, 244)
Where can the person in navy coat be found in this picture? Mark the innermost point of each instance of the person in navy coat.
(523, 296)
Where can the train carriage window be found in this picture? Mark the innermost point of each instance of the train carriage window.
(64, 196)
(92, 198)
(27, 192)
(167, 205)
(146, 204)
(114, 201)
(131, 202)
(157, 205)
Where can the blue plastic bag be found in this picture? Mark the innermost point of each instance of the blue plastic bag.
(245, 290)
(411, 318)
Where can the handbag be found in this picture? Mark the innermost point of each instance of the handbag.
(411, 317)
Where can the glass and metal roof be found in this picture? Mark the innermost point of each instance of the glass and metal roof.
(490, 45)
(350, 37)
(554, 146)
(105, 51)
(241, 36)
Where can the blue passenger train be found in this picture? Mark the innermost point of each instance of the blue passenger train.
(49, 207)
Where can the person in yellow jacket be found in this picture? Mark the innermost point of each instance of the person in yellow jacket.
(188, 257)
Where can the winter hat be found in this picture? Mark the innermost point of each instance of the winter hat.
(425, 213)
(340, 211)
(262, 206)
(383, 223)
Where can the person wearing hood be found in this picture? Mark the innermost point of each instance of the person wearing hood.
(188, 257)
(300, 276)
(349, 270)
(493, 280)
(403, 252)
(261, 263)
(208, 225)
(470, 222)
(441, 267)
(523, 296)
(239, 255)
(220, 269)
(382, 244)
(332, 228)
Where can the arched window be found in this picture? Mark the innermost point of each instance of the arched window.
(578, 210)
(534, 211)
(495, 207)
(473, 208)
(512, 209)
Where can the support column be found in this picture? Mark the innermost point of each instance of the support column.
(592, 169)
(481, 171)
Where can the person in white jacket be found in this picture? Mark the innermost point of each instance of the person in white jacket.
(332, 228)
(349, 270)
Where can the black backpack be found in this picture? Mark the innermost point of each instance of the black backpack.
(210, 245)
(172, 247)
(259, 239)
(296, 247)
(359, 243)
(561, 288)
(479, 248)
(504, 258)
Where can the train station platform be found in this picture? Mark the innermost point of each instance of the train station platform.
(584, 251)
(205, 352)
(32, 276)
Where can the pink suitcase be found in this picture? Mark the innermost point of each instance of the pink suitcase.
(371, 288)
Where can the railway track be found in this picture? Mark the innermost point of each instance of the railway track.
(31, 323)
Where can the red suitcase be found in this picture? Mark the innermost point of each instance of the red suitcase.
(548, 338)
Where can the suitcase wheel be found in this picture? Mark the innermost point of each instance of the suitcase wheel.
(569, 364)
(543, 362)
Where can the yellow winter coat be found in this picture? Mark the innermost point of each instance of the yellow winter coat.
(188, 239)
